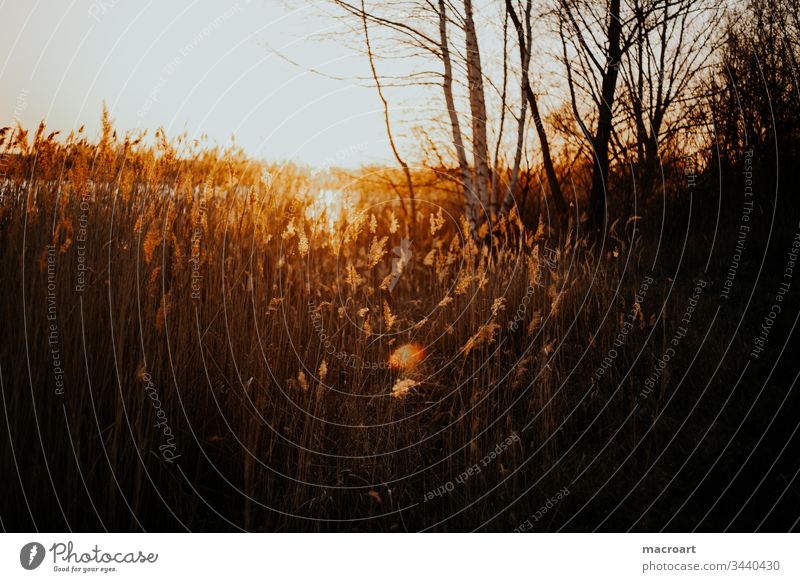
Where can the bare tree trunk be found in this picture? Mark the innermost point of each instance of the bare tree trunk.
(524, 39)
(458, 141)
(495, 190)
(400, 160)
(600, 141)
(508, 201)
(477, 104)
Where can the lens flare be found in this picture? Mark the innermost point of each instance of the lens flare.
(406, 356)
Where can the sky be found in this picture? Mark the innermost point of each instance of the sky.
(203, 66)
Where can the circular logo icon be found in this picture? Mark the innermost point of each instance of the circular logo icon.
(31, 555)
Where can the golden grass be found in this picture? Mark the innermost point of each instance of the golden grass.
(298, 386)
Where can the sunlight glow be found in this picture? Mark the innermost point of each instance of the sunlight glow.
(328, 207)
(406, 356)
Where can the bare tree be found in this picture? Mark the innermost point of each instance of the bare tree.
(667, 58)
(477, 102)
(496, 160)
(524, 37)
(447, 86)
(596, 40)
(416, 32)
(398, 157)
(754, 97)
(598, 44)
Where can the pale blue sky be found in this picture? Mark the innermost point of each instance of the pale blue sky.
(198, 65)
